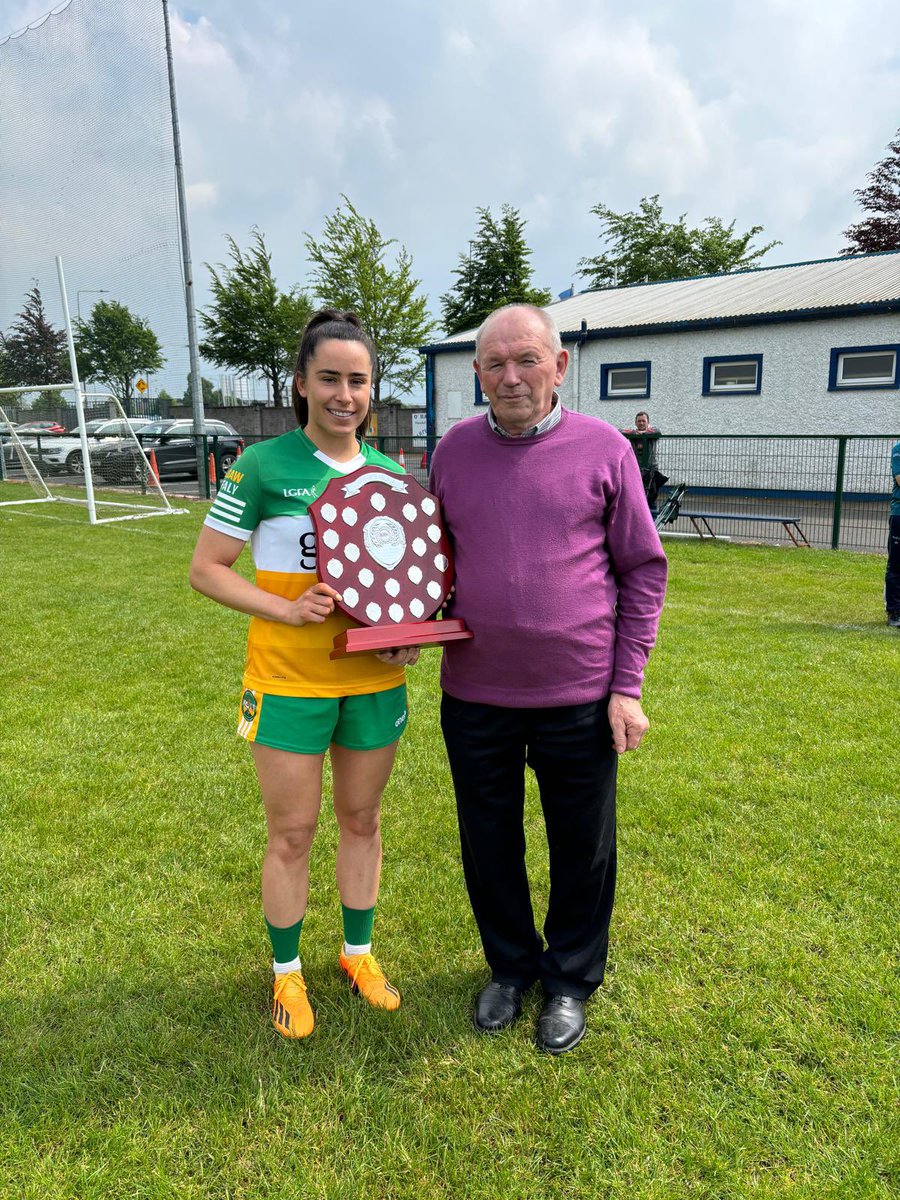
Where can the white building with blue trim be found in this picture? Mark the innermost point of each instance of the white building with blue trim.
(804, 348)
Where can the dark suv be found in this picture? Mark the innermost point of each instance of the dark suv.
(172, 443)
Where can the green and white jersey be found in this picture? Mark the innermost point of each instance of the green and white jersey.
(266, 494)
(264, 499)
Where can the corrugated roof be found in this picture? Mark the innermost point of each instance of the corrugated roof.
(797, 287)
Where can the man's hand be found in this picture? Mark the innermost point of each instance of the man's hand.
(400, 656)
(627, 722)
(314, 605)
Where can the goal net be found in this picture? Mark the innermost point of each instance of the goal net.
(98, 465)
(87, 172)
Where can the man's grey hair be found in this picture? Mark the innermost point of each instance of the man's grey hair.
(553, 339)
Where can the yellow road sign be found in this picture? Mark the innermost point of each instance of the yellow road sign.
(141, 386)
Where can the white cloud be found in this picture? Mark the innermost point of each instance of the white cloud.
(202, 195)
(376, 119)
(769, 114)
(459, 42)
(197, 46)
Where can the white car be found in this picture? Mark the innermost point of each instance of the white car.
(64, 453)
(28, 434)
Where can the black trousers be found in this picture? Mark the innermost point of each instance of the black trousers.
(570, 751)
(892, 574)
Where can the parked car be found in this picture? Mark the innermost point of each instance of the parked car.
(172, 443)
(27, 431)
(49, 427)
(29, 434)
(90, 427)
(64, 454)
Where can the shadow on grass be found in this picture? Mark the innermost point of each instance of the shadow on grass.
(163, 1042)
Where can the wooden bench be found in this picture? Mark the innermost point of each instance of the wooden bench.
(701, 523)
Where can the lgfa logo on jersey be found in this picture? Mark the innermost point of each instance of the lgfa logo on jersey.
(298, 493)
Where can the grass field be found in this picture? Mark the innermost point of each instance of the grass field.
(745, 1040)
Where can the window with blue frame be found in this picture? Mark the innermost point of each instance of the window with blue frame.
(862, 367)
(732, 375)
(479, 398)
(623, 380)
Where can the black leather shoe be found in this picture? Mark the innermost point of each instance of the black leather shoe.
(561, 1025)
(497, 1006)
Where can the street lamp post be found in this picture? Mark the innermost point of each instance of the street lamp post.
(87, 292)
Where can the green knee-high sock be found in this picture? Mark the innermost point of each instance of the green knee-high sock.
(285, 941)
(358, 925)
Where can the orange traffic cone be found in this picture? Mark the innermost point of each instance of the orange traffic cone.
(153, 476)
(212, 469)
(401, 459)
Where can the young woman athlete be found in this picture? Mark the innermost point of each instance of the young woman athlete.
(297, 703)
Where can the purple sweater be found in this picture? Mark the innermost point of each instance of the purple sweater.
(560, 573)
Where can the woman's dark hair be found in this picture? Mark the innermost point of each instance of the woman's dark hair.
(326, 325)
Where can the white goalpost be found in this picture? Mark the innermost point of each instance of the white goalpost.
(30, 459)
(110, 65)
(24, 466)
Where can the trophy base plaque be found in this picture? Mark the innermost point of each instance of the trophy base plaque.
(369, 638)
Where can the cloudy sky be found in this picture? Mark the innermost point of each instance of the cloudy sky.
(769, 113)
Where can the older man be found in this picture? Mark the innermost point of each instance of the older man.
(561, 576)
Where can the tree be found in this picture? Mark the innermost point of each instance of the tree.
(351, 271)
(881, 231)
(113, 346)
(251, 327)
(33, 351)
(645, 248)
(496, 271)
(212, 396)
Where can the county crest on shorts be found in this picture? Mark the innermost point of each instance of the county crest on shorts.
(381, 543)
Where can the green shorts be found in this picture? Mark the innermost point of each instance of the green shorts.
(309, 724)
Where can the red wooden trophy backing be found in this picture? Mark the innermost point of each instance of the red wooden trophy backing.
(381, 543)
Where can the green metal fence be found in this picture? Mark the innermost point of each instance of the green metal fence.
(822, 491)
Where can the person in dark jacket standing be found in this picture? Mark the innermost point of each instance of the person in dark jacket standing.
(644, 440)
(892, 574)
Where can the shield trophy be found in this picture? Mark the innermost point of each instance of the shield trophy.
(381, 543)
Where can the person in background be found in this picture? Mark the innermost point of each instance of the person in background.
(642, 425)
(560, 575)
(298, 704)
(647, 453)
(892, 573)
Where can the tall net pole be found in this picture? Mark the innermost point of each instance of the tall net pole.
(79, 400)
(193, 353)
